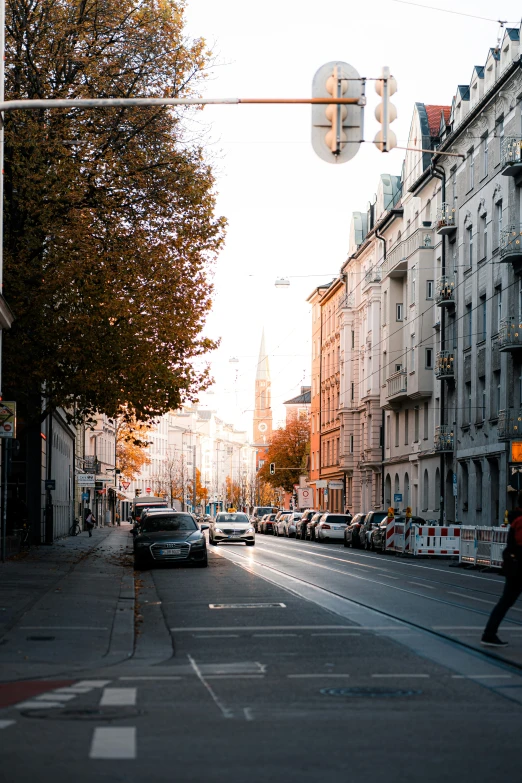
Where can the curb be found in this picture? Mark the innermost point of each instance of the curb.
(121, 645)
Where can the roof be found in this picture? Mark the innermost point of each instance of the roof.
(480, 71)
(205, 415)
(463, 89)
(513, 32)
(263, 370)
(302, 399)
(434, 113)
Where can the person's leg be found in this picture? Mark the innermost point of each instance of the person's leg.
(512, 590)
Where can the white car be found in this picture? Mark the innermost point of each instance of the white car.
(289, 524)
(231, 527)
(279, 524)
(332, 526)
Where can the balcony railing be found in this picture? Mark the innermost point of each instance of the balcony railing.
(446, 219)
(509, 424)
(510, 334)
(396, 260)
(397, 384)
(445, 365)
(511, 243)
(445, 293)
(347, 301)
(511, 156)
(444, 438)
(373, 275)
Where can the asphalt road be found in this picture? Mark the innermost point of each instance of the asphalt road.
(284, 662)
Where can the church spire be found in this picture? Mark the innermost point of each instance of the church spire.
(262, 406)
(263, 370)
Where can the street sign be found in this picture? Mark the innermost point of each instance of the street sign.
(125, 484)
(85, 496)
(305, 498)
(321, 484)
(50, 483)
(85, 479)
(397, 498)
(148, 490)
(335, 485)
(7, 419)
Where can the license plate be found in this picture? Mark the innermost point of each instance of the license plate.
(170, 552)
(238, 535)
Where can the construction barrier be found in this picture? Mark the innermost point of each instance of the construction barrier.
(498, 544)
(431, 540)
(483, 545)
(468, 545)
(398, 536)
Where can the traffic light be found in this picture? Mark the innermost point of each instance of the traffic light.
(272, 468)
(385, 113)
(337, 129)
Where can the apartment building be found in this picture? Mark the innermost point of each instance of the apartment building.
(315, 405)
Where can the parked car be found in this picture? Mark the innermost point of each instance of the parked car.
(351, 533)
(169, 537)
(371, 521)
(378, 534)
(300, 525)
(331, 526)
(231, 527)
(290, 522)
(258, 512)
(279, 524)
(310, 528)
(267, 523)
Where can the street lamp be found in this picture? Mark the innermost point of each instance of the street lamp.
(282, 282)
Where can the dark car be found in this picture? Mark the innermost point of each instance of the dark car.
(310, 528)
(378, 534)
(171, 537)
(300, 525)
(351, 534)
(371, 521)
(267, 524)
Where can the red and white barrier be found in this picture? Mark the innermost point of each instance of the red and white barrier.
(431, 540)
(399, 536)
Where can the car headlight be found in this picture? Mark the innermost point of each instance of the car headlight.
(218, 530)
(142, 544)
(250, 530)
(198, 544)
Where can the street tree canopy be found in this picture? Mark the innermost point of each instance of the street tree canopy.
(289, 448)
(110, 225)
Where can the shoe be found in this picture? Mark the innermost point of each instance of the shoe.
(492, 641)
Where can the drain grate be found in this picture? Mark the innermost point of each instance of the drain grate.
(40, 638)
(368, 693)
(247, 606)
(94, 713)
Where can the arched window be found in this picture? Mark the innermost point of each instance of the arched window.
(396, 486)
(406, 498)
(436, 505)
(387, 491)
(425, 492)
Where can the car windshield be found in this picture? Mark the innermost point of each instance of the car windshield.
(260, 511)
(337, 518)
(378, 517)
(221, 518)
(157, 523)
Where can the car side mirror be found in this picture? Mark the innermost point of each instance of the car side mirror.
(204, 526)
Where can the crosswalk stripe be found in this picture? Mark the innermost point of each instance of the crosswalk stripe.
(118, 697)
(113, 743)
(92, 683)
(5, 723)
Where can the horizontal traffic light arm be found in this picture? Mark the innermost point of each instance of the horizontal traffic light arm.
(100, 103)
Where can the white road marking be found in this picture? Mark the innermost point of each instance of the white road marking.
(5, 723)
(387, 576)
(92, 683)
(425, 676)
(118, 697)
(170, 677)
(63, 628)
(264, 628)
(217, 636)
(54, 696)
(234, 676)
(272, 635)
(421, 584)
(113, 743)
(248, 713)
(314, 676)
(335, 635)
(481, 676)
(73, 689)
(37, 705)
(471, 598)
(225, 711)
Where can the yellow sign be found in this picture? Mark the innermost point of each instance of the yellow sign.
(7, 419)
(516, 451)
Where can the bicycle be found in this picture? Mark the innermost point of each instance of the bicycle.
(75, 529)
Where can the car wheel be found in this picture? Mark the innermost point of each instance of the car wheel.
(202, 563)
(212, 542)
(250, 543)
(139, 564)
(366, 545)
(346, 543)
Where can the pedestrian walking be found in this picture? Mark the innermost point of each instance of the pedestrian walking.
(512, 557)
(90, 521)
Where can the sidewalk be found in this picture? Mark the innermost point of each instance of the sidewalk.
(67, 607)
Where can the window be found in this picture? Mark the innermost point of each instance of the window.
(454, 185)
(481, 400)
(397, 425)
(385, 308)
(430, 287)
(352, 391)
(406, 433)
(485, 153)
(483, 318)
(351, 444)
(353, 339)
(469, 325)
(429, 358)
(426, 420)
(471, 170)
(413, 285)
(388, 431)
(412, 353)
(497, 310)
(470, 246)
(495, 397)
(416, 425)
(467, 403)
(398, 312)
(484, 226)
(478, 486)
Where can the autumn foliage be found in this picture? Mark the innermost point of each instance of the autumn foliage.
(109, 213)
(131, 444)
(288, 449)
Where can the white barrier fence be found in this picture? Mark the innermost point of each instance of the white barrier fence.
(406, 538)
(483, 545)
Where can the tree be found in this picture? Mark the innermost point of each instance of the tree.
(201, 490)
(288, 449)
(109, 219)
(131, 444)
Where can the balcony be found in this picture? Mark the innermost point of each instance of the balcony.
(511, 244)
(397, 385)
(445, 291)
(510, 334)
(445, 220)
(396, 263)
(373, 275)
(444, 438)
(348, 301)
(509, 424)
(511, 156)
(445, 365)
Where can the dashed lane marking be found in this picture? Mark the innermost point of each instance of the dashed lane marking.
(38, 705)
(118, 697)
(274, 635)
(73, 689)
(335, 635)
(314, 676)
(248, 628)
(5, 723)
(63, 628)
(234, 676)
(113, 743)
(471, 598)
(217, 636)
(166, 677)
(54, 696)
(390, 676)
(387, 576)
(421, 584)
(481, 676)
(92, 683)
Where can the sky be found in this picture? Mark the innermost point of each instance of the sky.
(288, 211)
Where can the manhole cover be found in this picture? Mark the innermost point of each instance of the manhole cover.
(41, 638)
(95, 713)
(368, 693)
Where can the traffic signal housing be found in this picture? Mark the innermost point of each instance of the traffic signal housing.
(337, 129)
(272, 468)
(385, 112)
